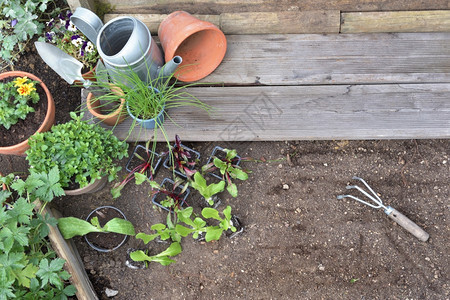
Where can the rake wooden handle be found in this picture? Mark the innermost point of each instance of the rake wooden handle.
(409, 225)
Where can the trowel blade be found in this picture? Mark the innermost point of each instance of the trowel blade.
(62, 63)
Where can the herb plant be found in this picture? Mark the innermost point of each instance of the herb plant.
(228, 169)
(19, 23)
(67, 37)
(29, 266)
(83, 152)
(16, 97)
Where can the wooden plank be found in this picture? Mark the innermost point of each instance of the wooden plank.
(217, 7)
(73, 4)
(388, 111)
(335, 59)
(257, 22)
(396, 21)
(74, 265)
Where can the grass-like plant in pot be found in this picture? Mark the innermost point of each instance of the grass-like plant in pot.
(30, 269)
(85, 153)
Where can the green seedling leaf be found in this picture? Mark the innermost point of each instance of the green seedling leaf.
(48, 273)
(22, 211)
(146, 238)
(158, 227)
(183, 231)
(227, 213)
(211, 213)
(70, 227)
(96, 223)
(213, 233)
(25, 275)
(173, 250)
(163, 257)
(232, 189)
(140, 178)
(230, 154)
(119, 225)
(238, 173)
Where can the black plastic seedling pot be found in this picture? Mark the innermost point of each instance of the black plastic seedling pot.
(134, 161)
(221, 154)
(168, 185)
(168, 164)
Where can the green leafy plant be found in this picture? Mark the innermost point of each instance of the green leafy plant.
(206, 190)
(71, 226)
(29, 268)
(16, 98)
(228, 169)
(162, 258)
(83, 152)
(225, 223)
(19, 22)
(67, 37)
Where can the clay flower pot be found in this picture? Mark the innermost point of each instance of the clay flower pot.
(96, 186)
(97, 110)
(19, 149)
(200, 44)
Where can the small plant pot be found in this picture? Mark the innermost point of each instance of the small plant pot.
(101, 112)
(148, 123)
(101, 241)
(20, 148)
(239, 227)
(220, 154)
(134, 161)
(201, 45)
(96, 186)
(168, 185)
(169, 165)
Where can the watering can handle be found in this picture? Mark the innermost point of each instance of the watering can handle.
(409, 225)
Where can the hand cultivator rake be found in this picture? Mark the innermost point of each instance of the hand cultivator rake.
(394, 214)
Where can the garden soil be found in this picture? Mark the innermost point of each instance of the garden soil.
(300, 241)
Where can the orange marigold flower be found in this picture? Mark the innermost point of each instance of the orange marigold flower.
(20, 81)
(26, 89)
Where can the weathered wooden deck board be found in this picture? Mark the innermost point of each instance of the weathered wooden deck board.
(323, 21)
(388, 111)
(220, 6)
(396, 21)
(292, 59)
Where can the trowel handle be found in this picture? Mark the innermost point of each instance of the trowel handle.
(409, 225)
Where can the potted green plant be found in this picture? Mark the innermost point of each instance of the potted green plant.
(105, 229)
(67, 37)
(208, 191)
(23, 96)
(30, 268)
(181, 159)
(85, 154)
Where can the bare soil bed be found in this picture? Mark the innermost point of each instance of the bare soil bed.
(299, 241)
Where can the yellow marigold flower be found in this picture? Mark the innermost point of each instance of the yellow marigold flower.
(26, 89)
(20, 81)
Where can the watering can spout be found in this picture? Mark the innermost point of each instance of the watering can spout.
(169, 68)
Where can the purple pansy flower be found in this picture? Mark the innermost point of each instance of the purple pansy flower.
(50, 23)
(61, 16)
(75, 36)
(14, 22)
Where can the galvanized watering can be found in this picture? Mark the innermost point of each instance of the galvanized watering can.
(124, 43)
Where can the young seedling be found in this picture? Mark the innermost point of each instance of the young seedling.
(162, 258)
(181, 159)
(229, 170)
(207, 191)
(215, 232)
(71, 226)
(197, 225)
(145, 167)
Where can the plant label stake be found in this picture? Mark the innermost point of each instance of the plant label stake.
(394, 214)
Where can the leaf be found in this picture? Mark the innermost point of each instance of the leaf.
(119, 225)
(213, 233)
(211, 213)
(146, 238)
(183, 231)
(173, 250)
(139, 178)
(238, 173)
(232, 189)
(6, 285)
(48, 273)
(158, 227)
(25, 275)
(50, 187)
(70, 227)
(22, 211)
(227, 213)
(70, 290)
(230, 154)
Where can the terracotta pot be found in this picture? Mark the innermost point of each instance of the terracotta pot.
(113, 118)
(96, 186)
(19, 149)
(200, 44)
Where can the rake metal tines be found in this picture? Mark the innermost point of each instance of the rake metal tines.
(392, 213)
(373, 196)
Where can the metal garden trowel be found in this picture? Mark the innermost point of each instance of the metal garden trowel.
(62, 63)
